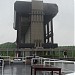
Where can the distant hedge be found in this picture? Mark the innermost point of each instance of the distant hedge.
(8, 45)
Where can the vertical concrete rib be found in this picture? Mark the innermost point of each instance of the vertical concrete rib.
(48, 32)
(51, 31)
(44, 33)
(37, 33)
(19, 33)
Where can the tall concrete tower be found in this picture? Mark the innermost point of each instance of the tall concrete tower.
(37, 30)
(34, 25)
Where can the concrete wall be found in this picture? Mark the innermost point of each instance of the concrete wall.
(37, 33)
(27, 36)
(37, 4)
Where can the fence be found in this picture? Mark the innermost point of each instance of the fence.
(54, 53)
(2, 65)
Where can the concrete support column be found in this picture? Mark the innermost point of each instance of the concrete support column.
(44, 33)
(51, 31)
(48, 32)
(37, 33)
(19, 33)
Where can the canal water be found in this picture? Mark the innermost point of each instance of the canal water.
(22, 69)
(71, 73)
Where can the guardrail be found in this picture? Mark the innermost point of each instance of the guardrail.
(2, 65)
(63, 64)
(36, 60)
(40, 60)
(6, 58)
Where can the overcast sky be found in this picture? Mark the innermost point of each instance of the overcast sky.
(63, 22)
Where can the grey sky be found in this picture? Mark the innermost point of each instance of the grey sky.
(63, 22)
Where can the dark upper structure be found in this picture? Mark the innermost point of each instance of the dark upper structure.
(24, 13)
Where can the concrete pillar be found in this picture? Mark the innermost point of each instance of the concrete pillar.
(37, 28)
(48, 32)
(51, 31)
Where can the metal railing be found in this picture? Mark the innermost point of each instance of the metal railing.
(2, 65)
(63, 64)
(6, 58)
